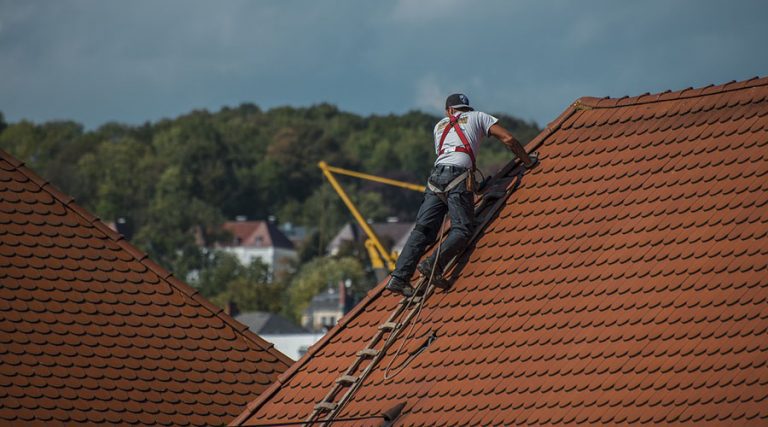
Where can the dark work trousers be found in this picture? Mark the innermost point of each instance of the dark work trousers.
(460, 207)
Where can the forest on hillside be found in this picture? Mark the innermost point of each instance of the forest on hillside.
(177, 178)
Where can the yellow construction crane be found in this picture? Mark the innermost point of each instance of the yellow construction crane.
(380, 257)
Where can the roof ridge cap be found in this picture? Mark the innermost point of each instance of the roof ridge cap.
(590, 102)
(141, 256)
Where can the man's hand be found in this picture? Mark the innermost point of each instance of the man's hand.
(512, 143)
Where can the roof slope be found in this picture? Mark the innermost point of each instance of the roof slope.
(91, 331)
(624, 281)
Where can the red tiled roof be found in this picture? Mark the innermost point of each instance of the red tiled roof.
(261, 234)
(624, 281)
(91, 331)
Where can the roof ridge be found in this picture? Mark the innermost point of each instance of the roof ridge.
(589, 102)
(141, 256)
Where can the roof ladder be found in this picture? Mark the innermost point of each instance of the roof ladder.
(376, 349)
(329, 407)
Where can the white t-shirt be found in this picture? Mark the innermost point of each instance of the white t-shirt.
(475, 125)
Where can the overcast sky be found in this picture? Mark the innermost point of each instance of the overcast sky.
(95, 61)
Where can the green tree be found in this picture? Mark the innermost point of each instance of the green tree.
(177, 180)
(320, 273)
(45, 148)
(218, 270)
(252, 290)
(178, 224)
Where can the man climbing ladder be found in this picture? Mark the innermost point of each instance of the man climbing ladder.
(450, 188)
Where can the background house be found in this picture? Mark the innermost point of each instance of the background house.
(261, 240)
(262, 322)
(287, 337)
(392, 235)
(327, 308)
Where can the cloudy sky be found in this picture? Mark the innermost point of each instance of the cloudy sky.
(95, 61)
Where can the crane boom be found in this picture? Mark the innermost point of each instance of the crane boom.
(376, 250)
(407, 185)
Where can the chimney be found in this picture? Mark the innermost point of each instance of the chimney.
(231, 309)
(344, 295)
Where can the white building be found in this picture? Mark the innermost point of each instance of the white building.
(262, 240)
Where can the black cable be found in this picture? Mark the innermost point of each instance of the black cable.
(301, 423)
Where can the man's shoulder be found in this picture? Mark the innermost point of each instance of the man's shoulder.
(442, 123)
(484, 117)
(478, 113)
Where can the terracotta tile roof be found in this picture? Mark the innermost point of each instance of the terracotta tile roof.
(624, 281)
(91, 331)
(261, 234)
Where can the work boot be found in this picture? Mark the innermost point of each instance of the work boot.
(425, 268)
(399, 286)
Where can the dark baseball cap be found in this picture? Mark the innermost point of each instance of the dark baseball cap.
(457, 100)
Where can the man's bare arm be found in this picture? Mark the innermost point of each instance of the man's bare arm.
(506, 137)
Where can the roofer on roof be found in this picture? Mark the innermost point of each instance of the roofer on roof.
(450, 188)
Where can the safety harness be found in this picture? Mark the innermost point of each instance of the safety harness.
(467, 148)
(453, 123)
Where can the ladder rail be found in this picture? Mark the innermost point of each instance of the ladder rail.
(358, 361)
(372, 365)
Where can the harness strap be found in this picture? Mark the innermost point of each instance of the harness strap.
(451, 185)
(467, 148)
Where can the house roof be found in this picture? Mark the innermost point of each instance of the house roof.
(92, 331)
(259, 234)
(623, 281)
(329, 300)
(394, 231)
(262, 322)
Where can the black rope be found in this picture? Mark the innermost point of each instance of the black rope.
(302, 423)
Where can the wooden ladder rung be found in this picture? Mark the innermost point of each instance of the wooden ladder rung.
(388, 326)
(368, 352)
(412, 300)
(346, 380)
(325, 406)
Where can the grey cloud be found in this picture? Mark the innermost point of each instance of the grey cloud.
(94, 61)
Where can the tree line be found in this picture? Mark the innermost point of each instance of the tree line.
(176, 181)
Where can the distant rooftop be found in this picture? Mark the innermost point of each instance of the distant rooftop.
(261, 322)
(258, 234)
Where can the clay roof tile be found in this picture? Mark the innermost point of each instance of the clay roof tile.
(80, 304)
